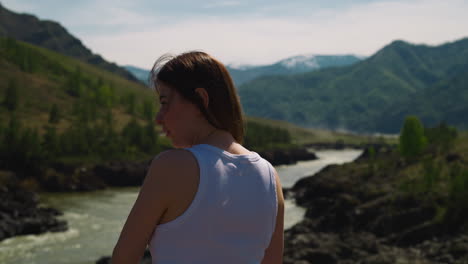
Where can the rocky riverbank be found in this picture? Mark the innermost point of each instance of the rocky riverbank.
(288, 156)
(21, 213)
(340, 145)
(65, 178)
(357, 213)
(81, 177)
(20, 209)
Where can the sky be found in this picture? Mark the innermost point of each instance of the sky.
(249, 32)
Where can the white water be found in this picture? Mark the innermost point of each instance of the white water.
(96, 218)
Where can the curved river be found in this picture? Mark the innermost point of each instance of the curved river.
(96, 218)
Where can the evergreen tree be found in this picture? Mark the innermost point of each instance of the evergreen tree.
(104, 95)
(129, 101)
(148, 110)
(74, 85)
(50, 142)
(12, 134)
(54, 115)
(30, 150)
(2, 143)
(11, 101)
(150, 143)
(133, 136)
(441, 137)
(412, 139)
(110, 145)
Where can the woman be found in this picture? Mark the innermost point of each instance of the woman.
(210, 200)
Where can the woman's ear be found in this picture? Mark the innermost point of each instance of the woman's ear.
(204, 96)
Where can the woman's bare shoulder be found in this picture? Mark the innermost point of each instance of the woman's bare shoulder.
(172, 156)
(175, 162)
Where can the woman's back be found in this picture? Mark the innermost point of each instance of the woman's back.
(232, 216)
(200, 203)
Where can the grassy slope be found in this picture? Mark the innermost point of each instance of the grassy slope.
(38, 91)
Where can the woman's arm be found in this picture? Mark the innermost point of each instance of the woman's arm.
(153, 200)
(274, 252)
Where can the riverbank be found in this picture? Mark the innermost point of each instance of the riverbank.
(374, 211)
(95, 218)
(20, 213)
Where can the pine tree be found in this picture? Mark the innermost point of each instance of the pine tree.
(54, 115)
(12, 133)
(130, 103)
(150, 142)
(50, 142)
(148, 110)
(11, 101)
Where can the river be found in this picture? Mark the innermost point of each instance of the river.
(96, 218)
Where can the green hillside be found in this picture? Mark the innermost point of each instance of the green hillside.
(366, 96)
(51, 35)
(447, 101)
(56, 109)
(44, 78)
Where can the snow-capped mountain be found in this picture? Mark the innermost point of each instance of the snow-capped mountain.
(291, 65)
(307, 61)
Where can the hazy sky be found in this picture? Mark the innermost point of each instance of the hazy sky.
(136, 32)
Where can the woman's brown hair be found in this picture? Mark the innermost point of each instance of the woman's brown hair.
(189, 71)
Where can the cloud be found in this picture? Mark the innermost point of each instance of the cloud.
(137, 32)
(222, 4)
(360, 30)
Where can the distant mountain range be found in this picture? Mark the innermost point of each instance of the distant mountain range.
(334, 92)
(373, 95)
(51, 35)
(140, 74)
(292, 65)
(358, 94)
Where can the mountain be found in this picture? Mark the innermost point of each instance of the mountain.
(42, 78)
(297, 64)
(292, 65)
(140, 74)
(373, 95)
(56, 110)
(51, 35)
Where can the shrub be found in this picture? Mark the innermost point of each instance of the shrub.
(412, 139)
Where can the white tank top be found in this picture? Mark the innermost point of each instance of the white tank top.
(231, 218)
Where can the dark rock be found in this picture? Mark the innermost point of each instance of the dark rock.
(287, 193)
(20, 213)
(104, 260)
(78, 178)
(452, 157)
(459, 250)
(416, 234)
(287, 156)
(146, 259)
(389, 223)
(356, 213)
(122, 173)
(319, 256)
